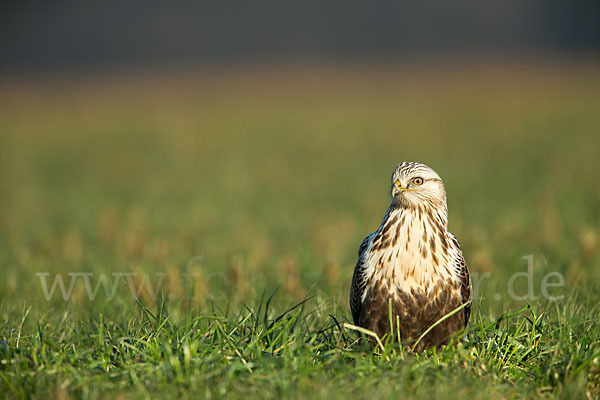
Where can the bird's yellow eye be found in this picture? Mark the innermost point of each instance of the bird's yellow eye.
(417, 181)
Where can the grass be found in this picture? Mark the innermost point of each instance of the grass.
(210, 222)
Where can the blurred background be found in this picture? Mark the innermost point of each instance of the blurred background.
(67, 34)
(257, 139)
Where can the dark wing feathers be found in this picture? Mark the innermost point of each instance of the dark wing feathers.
(358, 280)
(465, 280)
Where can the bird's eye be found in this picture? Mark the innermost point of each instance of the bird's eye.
(418, 181)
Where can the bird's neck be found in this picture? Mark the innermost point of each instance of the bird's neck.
(434, 215)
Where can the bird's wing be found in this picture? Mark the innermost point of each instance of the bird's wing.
(465, 280)
(359, 282)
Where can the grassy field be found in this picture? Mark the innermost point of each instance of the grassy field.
(223, 210)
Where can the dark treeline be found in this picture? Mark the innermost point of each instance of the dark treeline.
(73, 33)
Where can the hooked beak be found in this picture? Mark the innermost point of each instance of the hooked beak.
(398, 187)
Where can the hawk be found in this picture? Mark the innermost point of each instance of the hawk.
(414, 263)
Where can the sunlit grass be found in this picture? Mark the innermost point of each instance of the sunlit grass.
(242, 199)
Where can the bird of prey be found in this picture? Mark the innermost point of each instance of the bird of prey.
(413, 264)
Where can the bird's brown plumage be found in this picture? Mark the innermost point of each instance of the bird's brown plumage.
(414, 262)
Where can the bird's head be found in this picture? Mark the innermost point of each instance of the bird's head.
(415, 184)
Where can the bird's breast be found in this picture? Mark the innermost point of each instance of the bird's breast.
(409, 251)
